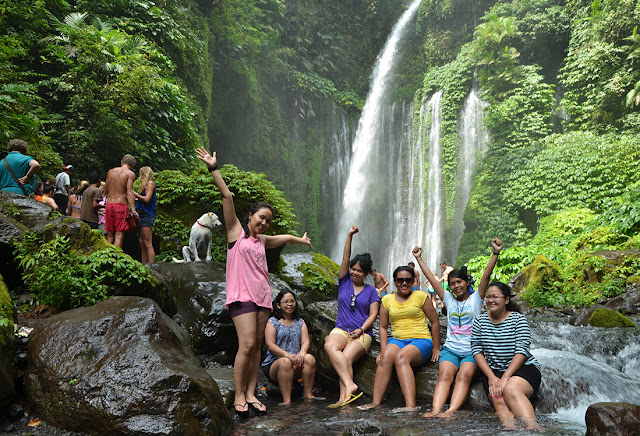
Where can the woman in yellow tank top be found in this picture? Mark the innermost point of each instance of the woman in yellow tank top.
(411, 344)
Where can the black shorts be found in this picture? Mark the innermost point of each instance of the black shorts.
(266, 369)
(528, 372)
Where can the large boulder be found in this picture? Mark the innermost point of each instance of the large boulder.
(627, 303)
(198, 290)
(612, 419)
(609, 318)
(121, 367)
(7, 319)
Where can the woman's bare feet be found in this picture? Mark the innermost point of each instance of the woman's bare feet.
(432, 414)
(313, 397)
(367, 406)
(405, 409)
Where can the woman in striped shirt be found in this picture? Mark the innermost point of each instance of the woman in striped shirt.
(500, 343)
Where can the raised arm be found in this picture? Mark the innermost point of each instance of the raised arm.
(278, 240)
(231, 221)
(437, 286)
(346, 253)
(486, 276)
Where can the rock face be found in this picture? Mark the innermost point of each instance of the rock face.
(612, 419)
(8, 391)
(121, 367)
(199, 292)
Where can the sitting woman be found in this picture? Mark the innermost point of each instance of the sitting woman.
(287, 340)
(358, 305)
(456, 360)
(500, 342)
(411, 344)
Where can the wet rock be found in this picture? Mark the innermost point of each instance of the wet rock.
(609, 318)
(612, 419)
(199, 292)
(225, 382)
(269, 426)
(7, 316)
(307, 272)
(582, 318)
(627, 303)
(367, 427)
(121, 367)
(8, 390)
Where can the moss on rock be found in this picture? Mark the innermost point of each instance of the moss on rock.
(543, 283)
(7, 314)
(320, 276)
(609, 318)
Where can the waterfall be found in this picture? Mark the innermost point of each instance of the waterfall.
(472, 144)
(367, 197)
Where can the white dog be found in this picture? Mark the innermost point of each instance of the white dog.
(200, 238)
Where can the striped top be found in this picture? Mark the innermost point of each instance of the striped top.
(499, 343)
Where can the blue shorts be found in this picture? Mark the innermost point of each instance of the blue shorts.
(455, 358)
(424, 345)
(146, 220)
(415, 288)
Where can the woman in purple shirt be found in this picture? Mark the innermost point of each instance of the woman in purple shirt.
(358, 305)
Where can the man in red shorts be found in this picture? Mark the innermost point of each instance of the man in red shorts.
(119, 192)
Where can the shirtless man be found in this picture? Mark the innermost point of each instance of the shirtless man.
(119, 189)
(380, 282)
(416, 281)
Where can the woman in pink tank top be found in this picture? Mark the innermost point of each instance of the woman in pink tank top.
(248, 287)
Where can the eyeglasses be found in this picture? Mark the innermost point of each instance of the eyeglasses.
(288, 302)
(401, 280)
(353, 302)
(493, 297)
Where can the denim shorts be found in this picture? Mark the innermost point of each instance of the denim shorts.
(424, 345)
(146, 220)
(455, 358)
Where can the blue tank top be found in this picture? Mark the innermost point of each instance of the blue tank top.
(150, 207)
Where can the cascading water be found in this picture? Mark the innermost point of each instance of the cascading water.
(472, 140)
(368, 193)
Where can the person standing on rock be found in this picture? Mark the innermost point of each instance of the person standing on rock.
(146, 208)
(457, 364)
(358, 305)
(63, 188)
(248, 287)
(121, 201)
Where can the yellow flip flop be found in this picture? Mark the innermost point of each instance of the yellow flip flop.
(350, 399)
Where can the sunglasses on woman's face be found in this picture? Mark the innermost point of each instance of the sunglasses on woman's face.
(401, 280)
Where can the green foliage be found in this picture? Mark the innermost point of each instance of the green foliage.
(578, 169)
(321, 275)
(562, 227)
(184, 198)
(545, 284)
(7, 312)
(623, 212)
(61, 276)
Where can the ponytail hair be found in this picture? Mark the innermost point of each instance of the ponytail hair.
(464, 275)
(507, 293)
(253, 209)
(364, 259)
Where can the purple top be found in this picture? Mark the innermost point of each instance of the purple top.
(350, 319)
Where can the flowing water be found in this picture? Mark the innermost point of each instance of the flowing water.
(580, 366)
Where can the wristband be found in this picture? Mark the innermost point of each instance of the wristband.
(213, 168)
(496, 253)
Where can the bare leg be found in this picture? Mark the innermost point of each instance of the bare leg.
(282, 370)
(383, 374)
(342, 355)
(110, 237)
(146, 246)
(308, 376)
(516, 395)
(252, 372)
(119, 239)
(503, 412)
(461, 388)
(408, 358)
(446, 374)
(245, 325)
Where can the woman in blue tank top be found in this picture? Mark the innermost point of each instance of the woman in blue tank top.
(146, 208)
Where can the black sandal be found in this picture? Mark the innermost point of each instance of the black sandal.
(253, 405)
(241, 413)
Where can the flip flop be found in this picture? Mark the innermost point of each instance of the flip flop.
(350, 398)
(254, 404)
(241, 413)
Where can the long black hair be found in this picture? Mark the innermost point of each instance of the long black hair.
(507, 293)
(253, 209)
(277, 312)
